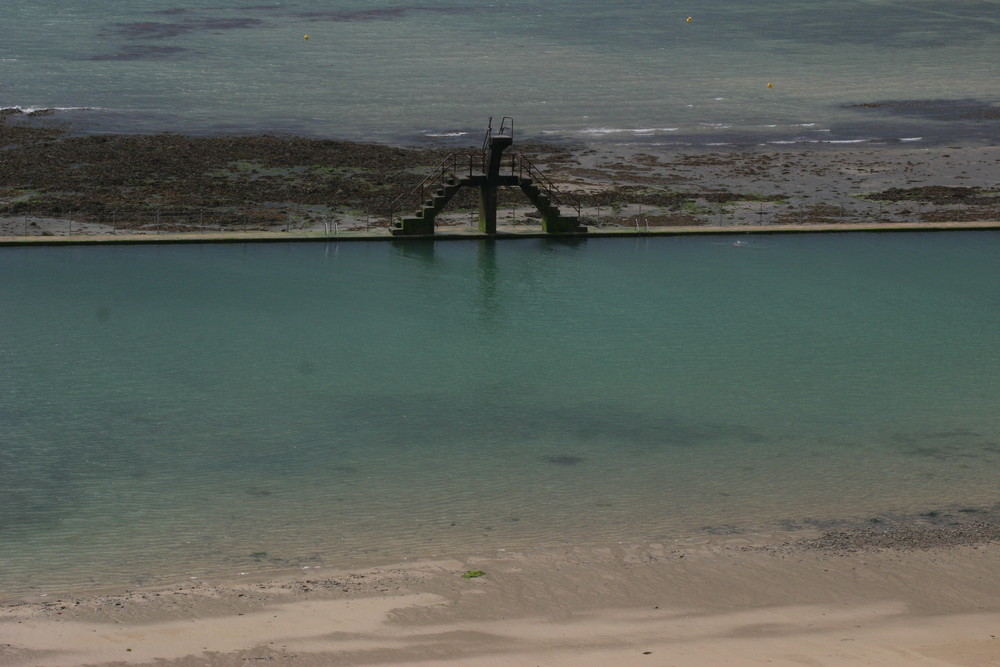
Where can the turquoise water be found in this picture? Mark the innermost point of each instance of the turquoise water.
(584, 70)
(172, 411)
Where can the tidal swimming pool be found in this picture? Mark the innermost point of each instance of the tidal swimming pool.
(185, 410)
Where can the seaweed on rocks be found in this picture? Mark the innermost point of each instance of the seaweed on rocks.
(99, 174)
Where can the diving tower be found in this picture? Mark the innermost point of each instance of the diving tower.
(487, 171)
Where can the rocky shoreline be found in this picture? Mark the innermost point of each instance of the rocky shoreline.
(55, 183)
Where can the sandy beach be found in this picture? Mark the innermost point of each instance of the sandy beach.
(916, 596)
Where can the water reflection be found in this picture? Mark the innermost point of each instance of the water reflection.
(488, 302)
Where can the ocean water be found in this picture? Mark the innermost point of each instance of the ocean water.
(196, 410)
(579, 70)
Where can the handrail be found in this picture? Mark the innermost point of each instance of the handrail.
(489, 133)
(520, 167)
(523, 164)
(505, 127)
(450, 165)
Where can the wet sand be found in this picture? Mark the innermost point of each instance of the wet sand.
(906, 596)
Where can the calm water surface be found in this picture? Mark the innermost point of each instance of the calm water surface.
(187, 410)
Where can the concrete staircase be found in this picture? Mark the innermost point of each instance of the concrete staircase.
(553, 221)
(422, 223)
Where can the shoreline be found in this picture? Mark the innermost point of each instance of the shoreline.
(258, 186)
(917, 596)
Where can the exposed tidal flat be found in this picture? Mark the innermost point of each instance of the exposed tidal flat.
(55, 183)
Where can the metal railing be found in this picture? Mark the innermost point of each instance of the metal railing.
(522, 167)
(450, 167)
(506, 128)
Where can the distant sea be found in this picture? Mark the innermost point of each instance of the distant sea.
(725, 73)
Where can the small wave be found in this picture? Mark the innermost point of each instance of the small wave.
(624, 130)
(446, 134)
(806, 124)
(654, 130)
(787, 142)
(717, 126)
(912, 139)
(846, 141)
(40, 110)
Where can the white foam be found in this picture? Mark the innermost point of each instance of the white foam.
(31, 110)
(653, 130)
(912, 139)
(623, 130)
(446, 134)
(846, 141)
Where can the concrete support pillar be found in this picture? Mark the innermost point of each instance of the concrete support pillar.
(488, 189)
(488, 208)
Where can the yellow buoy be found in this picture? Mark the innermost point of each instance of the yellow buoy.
(770, 85)
(306, 37)
(690, 19)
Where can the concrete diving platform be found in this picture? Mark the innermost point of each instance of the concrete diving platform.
(483, 172)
